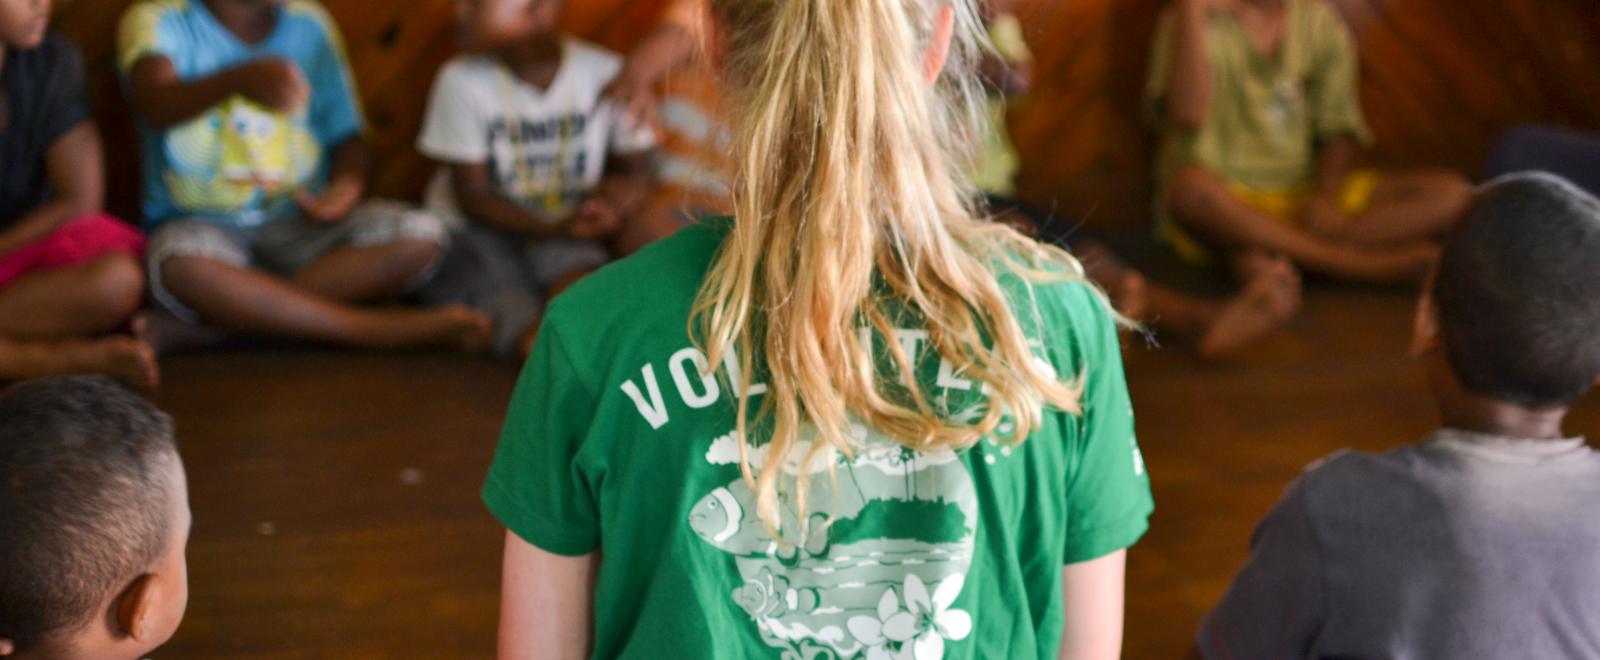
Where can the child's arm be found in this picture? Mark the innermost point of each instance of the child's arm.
(1092, 603)
(1189, 91)
(347, 181)
(165, 100)
(546, 603)
(1325, 213)
(75, 167)
(665, 49)
(477, 197)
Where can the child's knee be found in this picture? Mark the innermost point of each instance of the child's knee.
(411, 258)
(116, 283)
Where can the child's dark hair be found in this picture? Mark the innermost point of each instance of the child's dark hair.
(84, 501)
(1518, 292)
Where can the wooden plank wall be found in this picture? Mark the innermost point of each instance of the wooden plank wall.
(1442, 78)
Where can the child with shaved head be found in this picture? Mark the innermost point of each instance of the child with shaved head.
(95, 512)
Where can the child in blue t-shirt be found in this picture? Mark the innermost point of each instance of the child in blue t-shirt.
(254, 174)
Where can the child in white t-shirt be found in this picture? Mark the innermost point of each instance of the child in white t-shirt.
(541, 176)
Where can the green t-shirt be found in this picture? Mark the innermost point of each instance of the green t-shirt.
(1267, 112)
(615, 442)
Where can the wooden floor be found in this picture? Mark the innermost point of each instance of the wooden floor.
(336, 509)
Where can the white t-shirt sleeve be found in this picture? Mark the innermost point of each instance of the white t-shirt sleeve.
(455, 129)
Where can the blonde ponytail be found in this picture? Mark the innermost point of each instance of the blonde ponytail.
(851, 204)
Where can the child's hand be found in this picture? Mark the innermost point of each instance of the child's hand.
(1324, 217)
(335, 202)
(597, 220)
(276, 83)
(634, 96)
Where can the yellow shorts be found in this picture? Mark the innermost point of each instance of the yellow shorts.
(1286, 205)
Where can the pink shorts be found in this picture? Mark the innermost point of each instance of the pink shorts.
(76, 243)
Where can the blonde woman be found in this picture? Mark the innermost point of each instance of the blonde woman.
(854, 421)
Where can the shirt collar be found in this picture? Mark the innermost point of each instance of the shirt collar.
(1506, 449)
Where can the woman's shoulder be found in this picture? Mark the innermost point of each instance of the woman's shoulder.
(1057, 305)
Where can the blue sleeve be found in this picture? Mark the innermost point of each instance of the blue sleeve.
(336, 113)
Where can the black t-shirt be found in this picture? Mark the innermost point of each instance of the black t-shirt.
(42, 97)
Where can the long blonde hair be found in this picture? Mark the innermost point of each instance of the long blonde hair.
(850, 202)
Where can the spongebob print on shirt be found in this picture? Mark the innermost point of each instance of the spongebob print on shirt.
(238, 155)
(239, 163)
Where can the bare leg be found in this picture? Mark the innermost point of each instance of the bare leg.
(128, 359)
(249, 301)
(82, 301)
(367, 274)
(1270, 297)
(1409, 206)
(1202, 202)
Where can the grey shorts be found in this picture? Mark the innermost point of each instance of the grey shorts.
(284, 247)
(507, 277)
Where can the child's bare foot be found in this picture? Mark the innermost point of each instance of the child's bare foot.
(127, 359)
(1127, 288)
(454, 327)
(1271, 297)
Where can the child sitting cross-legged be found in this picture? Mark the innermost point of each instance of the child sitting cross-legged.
(70, 279)
(1480, 542)
(94, 519)
(548, 178)
(1260, 117)
(254, 174)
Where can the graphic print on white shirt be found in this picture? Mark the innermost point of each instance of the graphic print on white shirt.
(546, 149)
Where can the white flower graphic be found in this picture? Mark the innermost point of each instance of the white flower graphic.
(919, 632)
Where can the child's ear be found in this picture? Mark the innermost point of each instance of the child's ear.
(136, 606)
(938, 53)
(7, 647)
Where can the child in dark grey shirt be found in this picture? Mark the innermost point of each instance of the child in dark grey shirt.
(1482, 541)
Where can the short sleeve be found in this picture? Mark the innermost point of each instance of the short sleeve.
(65, 102)
(336, 114)
(147, 29)
(628, 135)
(455, 129)
(1334, 92)
(1274, 607)
(1159, 78)
(535, 486)
(1108, 495)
